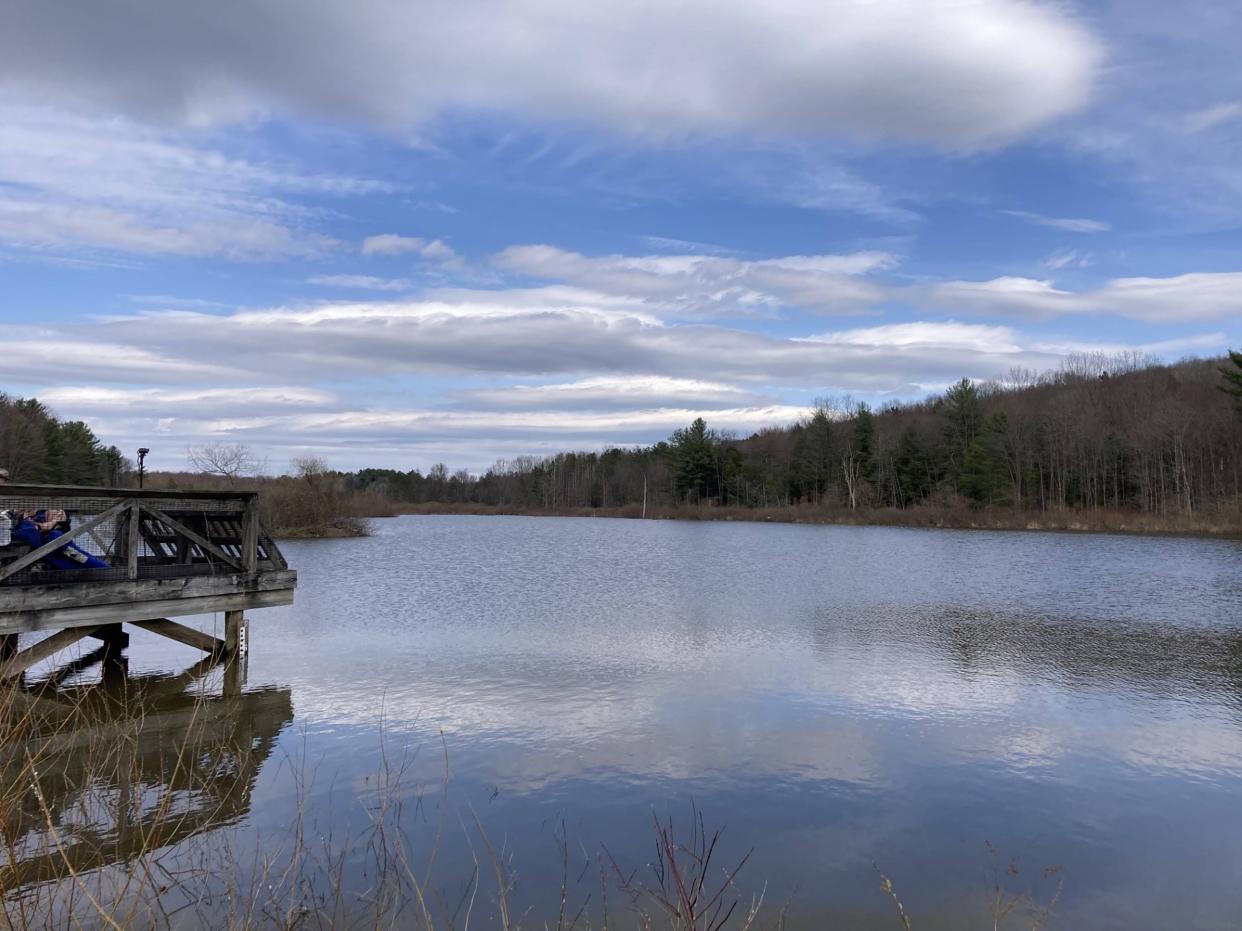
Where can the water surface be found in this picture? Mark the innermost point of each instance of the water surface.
(939, 704)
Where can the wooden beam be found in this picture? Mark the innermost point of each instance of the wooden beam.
(91, 491)
(197, 538)
(40, 651)
(134, 542)
(52, 545)
(40, 607)
(107, 591)
(182, 634)
(250, 536)
(109, 614)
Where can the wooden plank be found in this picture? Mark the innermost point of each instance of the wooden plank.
(182, 634)
(34, 620)
(202, 541)
(52, 545)
(40, 651)
(106, 591)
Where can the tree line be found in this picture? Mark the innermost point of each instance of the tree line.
(37, 447)
(1117, 432)
(1100, 432)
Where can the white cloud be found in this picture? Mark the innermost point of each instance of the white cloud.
(699, 284)
(32, 224)
(363, 282)
(1181, 298)
(632, 377)
(70, 182)
(958, 74)
(614, 392)
(195, 403)
(938, 336)
(1069, 224)
(555, 333)
(392, 244)
(42, 359)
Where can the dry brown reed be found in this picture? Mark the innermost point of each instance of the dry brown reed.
(120, 802)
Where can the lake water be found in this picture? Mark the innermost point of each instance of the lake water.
(948, 707)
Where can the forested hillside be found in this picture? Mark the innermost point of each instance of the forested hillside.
(1102, 432)
(1115, 434)
(37, 447)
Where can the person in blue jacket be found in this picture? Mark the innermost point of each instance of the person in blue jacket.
(38, 527)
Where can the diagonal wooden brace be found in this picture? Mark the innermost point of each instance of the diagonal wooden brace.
(16, 665)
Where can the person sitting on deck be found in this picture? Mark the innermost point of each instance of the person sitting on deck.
(39, 527)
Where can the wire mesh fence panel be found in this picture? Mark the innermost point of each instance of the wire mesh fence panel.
(58, 537)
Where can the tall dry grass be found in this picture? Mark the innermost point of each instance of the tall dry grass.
(119, 799)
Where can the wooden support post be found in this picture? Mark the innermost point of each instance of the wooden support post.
(134, 542)
(235, 675)
(113, 635)
(234, 633)
(16, 665)
(250, 537)
(182, 634)
(8, 645)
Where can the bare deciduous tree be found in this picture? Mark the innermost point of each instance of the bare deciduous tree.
(228, 460)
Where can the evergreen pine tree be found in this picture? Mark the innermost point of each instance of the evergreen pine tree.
(694, 460)
(1232, 372)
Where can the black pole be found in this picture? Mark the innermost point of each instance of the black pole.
(142, 455)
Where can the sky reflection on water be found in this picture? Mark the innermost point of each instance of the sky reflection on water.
(833, 696)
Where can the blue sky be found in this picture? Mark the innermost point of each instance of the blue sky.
(397, 233)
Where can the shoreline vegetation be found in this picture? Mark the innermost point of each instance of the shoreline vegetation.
(944, 518)
(1105, 443)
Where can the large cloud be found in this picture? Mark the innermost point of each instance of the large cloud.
(537, 333)
(962, 73)
(405, 376)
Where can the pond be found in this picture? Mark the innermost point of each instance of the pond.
(1059, 715)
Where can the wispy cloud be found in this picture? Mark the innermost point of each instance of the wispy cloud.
(70, 182)
(713, 285)
(1212, 116)
(1069, 224)
(1068, 258)
(362, 282)
(1178, 299)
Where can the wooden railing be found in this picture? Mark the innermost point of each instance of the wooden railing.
(131, 534)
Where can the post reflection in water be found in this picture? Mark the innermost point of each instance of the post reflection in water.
(97, 775)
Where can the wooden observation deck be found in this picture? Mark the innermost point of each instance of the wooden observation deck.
(155, 555)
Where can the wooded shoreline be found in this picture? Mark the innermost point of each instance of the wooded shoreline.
(1210, 526)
